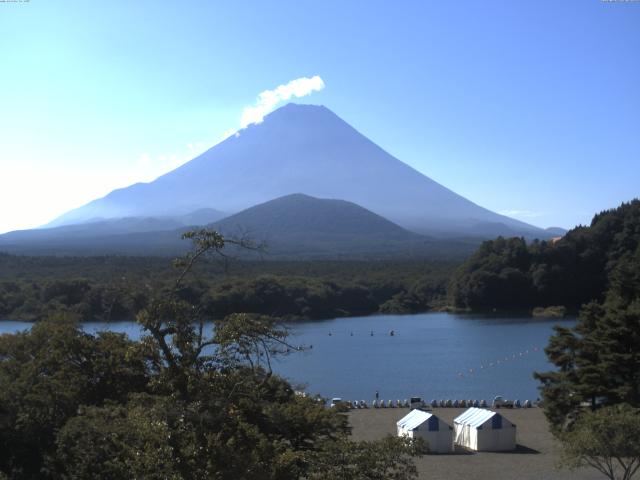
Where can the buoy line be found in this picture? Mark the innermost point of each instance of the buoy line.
(501, 361)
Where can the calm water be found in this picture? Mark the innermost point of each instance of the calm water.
(433, 355)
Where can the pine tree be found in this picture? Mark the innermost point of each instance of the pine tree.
(599, 359)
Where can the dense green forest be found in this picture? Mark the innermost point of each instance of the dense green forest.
(592, 397)
(508, 274)
(116, 288)
(74, 405)
(503, 274)
(598, 360)
(188, 401)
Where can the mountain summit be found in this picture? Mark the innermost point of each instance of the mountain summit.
(299, 214)
(307, 149)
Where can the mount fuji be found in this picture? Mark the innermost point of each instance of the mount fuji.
(303, 149)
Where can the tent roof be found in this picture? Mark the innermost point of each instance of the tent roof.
(414, 419)
(474, 417)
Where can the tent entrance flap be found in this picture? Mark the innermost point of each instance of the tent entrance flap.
(433, 424)
(496, 422)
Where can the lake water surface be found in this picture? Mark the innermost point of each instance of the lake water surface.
(433, 355)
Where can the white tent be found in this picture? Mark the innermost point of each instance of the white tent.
(419, 424)
(484, 430)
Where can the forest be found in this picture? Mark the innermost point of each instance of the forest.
(592, 396)
(116, 288)
(190, 400)
(505, 274)
(508, 274)
(75, 405)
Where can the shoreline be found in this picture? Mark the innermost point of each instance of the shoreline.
(538, 313)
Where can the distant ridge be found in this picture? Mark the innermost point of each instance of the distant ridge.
(299, 214)
(299, 224)
(307, 149)
(68, 235)
(295, 226)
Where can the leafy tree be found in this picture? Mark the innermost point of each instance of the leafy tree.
(607, 440)
(494, 277)
(575, 270)
(116, 441)
(46, 374)
(237, 419)
(189, 401)
(388, 459)
(114, 288)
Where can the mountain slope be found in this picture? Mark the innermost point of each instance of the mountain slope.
(299, 214)
(101, 228)
(308, 149)
(298, 224)
(294, 226)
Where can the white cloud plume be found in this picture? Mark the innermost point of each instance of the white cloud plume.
(267, 100)
(521, 213)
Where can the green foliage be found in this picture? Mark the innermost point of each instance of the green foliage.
(185, 402)
(388, 459)
(598, 360)
(607, 440)
(46, 374)
(115, 441)
(508, 274)
(116, 288)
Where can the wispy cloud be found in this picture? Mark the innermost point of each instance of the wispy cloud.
(267, 100)
(521, 213)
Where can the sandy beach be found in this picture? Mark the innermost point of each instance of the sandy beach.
(535, 458)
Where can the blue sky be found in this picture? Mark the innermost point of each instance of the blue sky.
(526, 108)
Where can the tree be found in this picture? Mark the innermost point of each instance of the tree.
(116, 441)
(236, 418)
(46, 374)
(509, 273)
(193, 399)
(607, 440)
(598, 360)
(558, 387)
(387, 459)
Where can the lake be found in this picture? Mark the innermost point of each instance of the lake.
(432, 355)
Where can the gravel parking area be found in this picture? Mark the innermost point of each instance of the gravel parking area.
(535, 458)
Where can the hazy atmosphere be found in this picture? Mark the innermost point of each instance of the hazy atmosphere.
(340, 240)
(528, 109)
